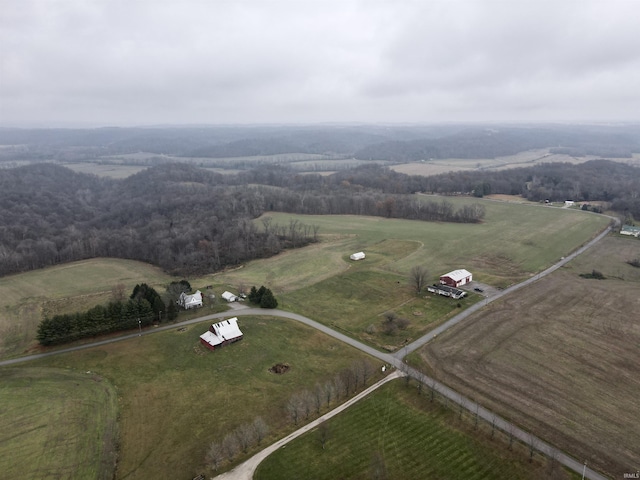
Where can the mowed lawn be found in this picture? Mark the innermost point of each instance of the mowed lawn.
(176, 397)
(25, 298)
(56, 424)
(396, 433)
(560, 357)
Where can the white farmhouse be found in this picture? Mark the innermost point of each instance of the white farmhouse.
(357, 256)
(190, 301)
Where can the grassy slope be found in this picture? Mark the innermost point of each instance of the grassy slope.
(77, 286)
(561, 357)
(410, 436)
(176, 397)
(56, 424)
(514, 242)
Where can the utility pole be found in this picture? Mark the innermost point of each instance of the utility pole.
(139, 327)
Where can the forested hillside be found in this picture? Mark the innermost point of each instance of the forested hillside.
(391, 143)
(186, 219)
(496, 142)
(598, 180)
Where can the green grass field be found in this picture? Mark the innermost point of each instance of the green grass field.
(395, 433)
(175, 397)
(514, 242)
(25, 298)
(56, 424)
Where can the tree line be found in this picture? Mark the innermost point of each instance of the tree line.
(142, 308)
(615, 183)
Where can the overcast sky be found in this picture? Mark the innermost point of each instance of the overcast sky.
(142, 62)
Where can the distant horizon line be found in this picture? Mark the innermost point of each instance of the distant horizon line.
(96, 126)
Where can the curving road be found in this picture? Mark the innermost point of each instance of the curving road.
(245, 470)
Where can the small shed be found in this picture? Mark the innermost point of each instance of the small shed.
(456, 278)
(229, 297)
(357, 256)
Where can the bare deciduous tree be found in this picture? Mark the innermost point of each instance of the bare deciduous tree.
(418, 277)
(246, 436)
(215, 455)
(329, 389)
(338, 386)
(230, 446)
(260, 428)
(368, 368)
(318, 397)
(294, 408)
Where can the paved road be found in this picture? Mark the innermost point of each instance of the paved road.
(245, 470)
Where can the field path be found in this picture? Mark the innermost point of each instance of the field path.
(249, 466)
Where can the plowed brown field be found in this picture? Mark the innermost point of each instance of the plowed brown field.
(561, 358)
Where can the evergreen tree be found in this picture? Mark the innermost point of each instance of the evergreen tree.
(172, 311)
(268, 300)
(253, 295)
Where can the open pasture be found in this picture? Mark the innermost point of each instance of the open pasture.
(26, 297)
(56, 423)
(395, 433)
(512, 243)
(560, 358)
(176, 397)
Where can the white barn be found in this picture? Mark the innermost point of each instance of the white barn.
(190, 301)
(357, 256)
(456, 278)
(229, 297)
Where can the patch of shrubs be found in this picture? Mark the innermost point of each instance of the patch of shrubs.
(595, 274)
(391, 323)
(634, 263)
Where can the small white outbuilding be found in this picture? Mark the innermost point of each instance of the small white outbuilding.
(357, 256)
(229, 297)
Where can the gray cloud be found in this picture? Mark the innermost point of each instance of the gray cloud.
(106, 62)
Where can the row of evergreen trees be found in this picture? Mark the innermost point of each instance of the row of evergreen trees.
(262, 296)
(141, 309)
